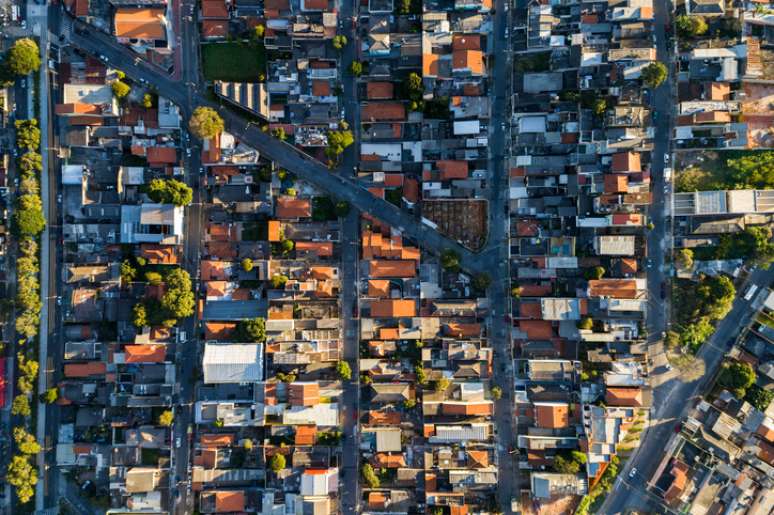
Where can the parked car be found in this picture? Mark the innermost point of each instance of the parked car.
(633, 473)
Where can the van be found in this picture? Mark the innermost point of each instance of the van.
(750, 292)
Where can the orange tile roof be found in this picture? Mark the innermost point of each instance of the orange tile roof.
(322, 272)
(382, 111)
(386, 418)
(615, 288)
(390, 461)
(216, 440)
(452, 169)
(214, 9)
(321, 88)
(379, 288)
(379, 268)
(392, 308)
(623, 397)
(159, 254)
(214, 28)
(214, 270)
(229, 501)
(306, 435)
(766, 431)
(84, 369)
(304, 394)
(430, 65)
(275, 232)
(626, 162)
(320, 248)
(379, 90)
(472, 60)
(389, 333)
(466, 42)
(140, 23)
(537, 329)
(289, 207)
(145, 353)
(377, 500)
(462, 330)
(479, 458)
(219, 330)
(552, 416)
(616, 183)
(468, 408)
(719, 91)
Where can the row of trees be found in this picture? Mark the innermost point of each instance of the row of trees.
(21, 472)
(701, 305)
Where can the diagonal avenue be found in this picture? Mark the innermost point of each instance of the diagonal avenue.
(285, 155)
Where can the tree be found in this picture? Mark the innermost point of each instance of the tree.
(716, 296)
(128, 272)
(23, 476)
(29, 186)
(30, 164)
(696, 333)
(121, 75)
(21, 406)
(337, 142)
(277, 462)
(279, 133)
(247, 444)
(27, 134)
(759, 397)
(595, 273)
(339, 41)
(450, 260)
(25, 442)
(287, 246)
(600, 106)
(737, 377)
(278, 281)
(166, 418)
(441, 385)
(147, 100)
(247, 264)
(28, 218)
(654, 74)
(684, 258)
(153, 278)
(585, 323)
(481, 282)
(342, 208)
(565, 466)
(23, 57)
(415, 82)
(27, 324)
(259, 31)
(51, 395)
(497, 393)
(252, 330)
(356, 68)
(419, 370)
(516, 292)
(170, 191)
(120, 89)
(690, 26)
(205, 123)
(404, 6)
(409, 404)
(178, 299)
(369, 476)
(343, 371)
(139, 315)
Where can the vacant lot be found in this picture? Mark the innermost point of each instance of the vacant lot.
(234, 61)
(461, 220)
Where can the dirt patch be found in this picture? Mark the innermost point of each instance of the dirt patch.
(463, 220)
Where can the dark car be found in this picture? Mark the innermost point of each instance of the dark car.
(663, 289)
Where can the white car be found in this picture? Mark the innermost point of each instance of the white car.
(633, 473)
(666, 159)
(178, 442)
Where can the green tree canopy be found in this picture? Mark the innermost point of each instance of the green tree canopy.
(22, 475)
(684, 258)
(51, 395)
(205, 123)
(23, 57)
(139, 315)
(278, 281)
(356, 68)
(369, 476)
(247, 264)
(170, 191)
(28, 218)
(565, 466)
(481, 282)
(759, 397)
(25, 442)
(178, 299)
(120, 89)
(338, 141)
(277, 462)
(497, 393)
(343, 371)
(654, 74)
(596, 273)
(339, 41)
(30, 164)
(252, 330)
(586, 323)
(737, 377)
(147, 100)
(27, 134)
(259, 31)
(21, 406)
(691, 25)
(166, 418)
(450, 260)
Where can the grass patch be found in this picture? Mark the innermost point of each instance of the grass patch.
(732, 169)
(234, 61)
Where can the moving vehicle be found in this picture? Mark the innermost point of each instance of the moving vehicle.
(633, 473)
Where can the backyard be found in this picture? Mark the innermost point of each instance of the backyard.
(234, 61)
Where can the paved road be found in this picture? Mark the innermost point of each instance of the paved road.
(285, 155)
(498, 245)
(675, 398)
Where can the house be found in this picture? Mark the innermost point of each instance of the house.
(233, 363)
